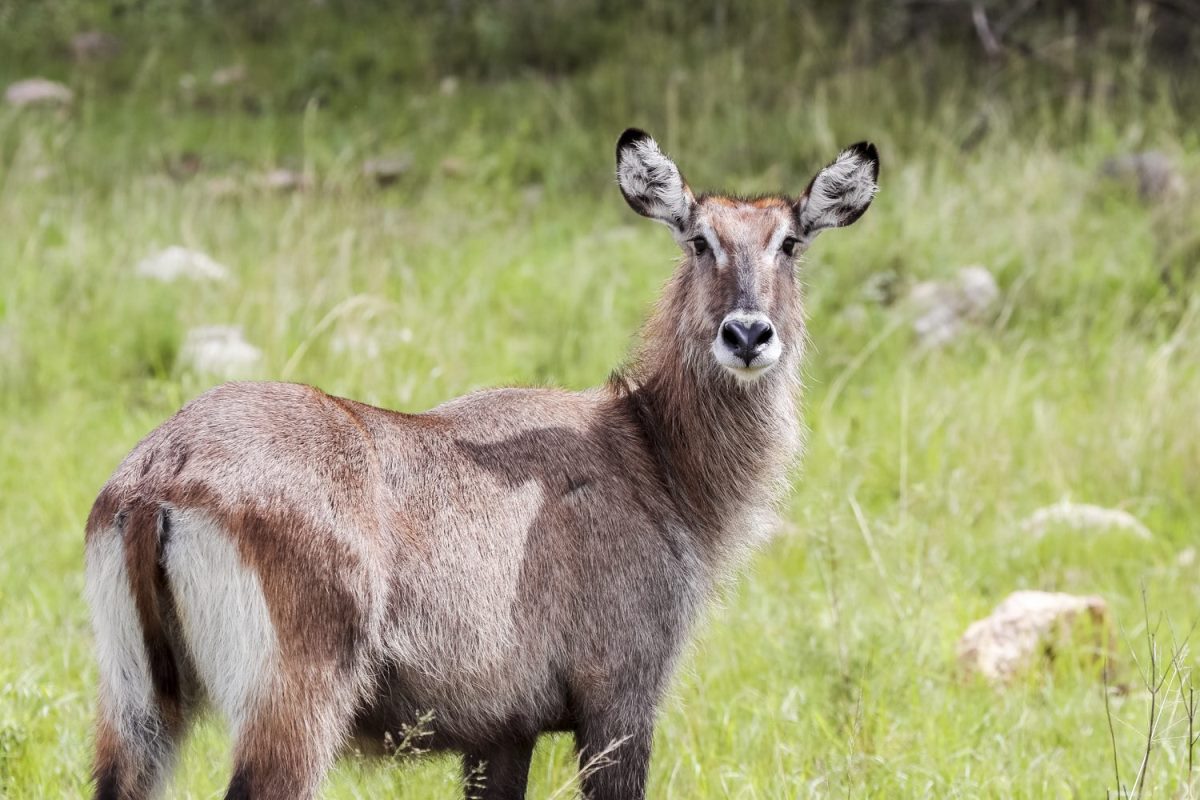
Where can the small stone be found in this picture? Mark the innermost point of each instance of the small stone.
(1029, 626)
(38, 92)
(448, 86)
(978, 290)
(946, 309)
(90, 46)
(386, 170)
(284, 180)
(220, 351)
(177, 262)
(1080, 517)
(228, 76)
(1152, 173)
(454, 167)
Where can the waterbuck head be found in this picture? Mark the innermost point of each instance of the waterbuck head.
(735, 296)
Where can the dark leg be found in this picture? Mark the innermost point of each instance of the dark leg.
(499, 773)
(614, 758)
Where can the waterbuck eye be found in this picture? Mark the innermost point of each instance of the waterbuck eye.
(699, 245)
(789, 246)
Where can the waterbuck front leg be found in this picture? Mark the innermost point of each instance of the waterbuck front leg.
(614, 756)
(499, 772)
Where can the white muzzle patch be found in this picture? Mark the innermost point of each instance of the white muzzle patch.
(747, 344)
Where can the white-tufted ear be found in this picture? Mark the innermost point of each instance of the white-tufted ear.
(839, 194)
(651, 182)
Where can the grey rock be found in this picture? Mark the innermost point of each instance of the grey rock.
(1028, 626)
(1153, 174)
(386, 170)
(175, 263)
(944, 310)
(1083, 517)
(219, 351)
(38, 92)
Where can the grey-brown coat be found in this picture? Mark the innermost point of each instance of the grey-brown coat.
(326, 573)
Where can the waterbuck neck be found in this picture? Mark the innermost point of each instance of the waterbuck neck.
(724, 449)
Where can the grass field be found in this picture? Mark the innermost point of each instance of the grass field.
(505, 255)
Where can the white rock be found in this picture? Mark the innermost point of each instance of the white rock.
(1028, 626)
(978, 290)
(944, 310)
(1081, 516)
(178, 262)
(219, 350)
(38, 92)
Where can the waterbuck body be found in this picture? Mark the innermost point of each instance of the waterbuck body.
(327, 574)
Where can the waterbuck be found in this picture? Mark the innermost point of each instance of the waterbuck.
(327, 575)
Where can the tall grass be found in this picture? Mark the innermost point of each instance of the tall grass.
(828, 669)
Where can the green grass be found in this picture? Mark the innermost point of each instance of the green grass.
(828, 668)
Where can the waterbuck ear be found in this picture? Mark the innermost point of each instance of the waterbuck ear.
(840, 193)
(651, 182)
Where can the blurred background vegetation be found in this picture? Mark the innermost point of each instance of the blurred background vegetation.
(410, 201)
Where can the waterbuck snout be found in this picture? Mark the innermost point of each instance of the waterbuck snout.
(740, 254)
(325, 574)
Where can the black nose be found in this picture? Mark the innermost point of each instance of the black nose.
(746, 339)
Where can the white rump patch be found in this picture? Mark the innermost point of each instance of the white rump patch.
(841, 192)
(224, 615)
(652, 183)
(126, 689)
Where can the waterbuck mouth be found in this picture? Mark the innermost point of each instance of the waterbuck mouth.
(747, 344)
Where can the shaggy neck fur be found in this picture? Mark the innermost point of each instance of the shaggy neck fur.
(724, 448)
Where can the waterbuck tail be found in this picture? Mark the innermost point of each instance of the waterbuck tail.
(141, 704)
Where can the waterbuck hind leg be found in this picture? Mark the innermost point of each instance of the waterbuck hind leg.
(134, 761)
(289, 742)
(499, 772)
